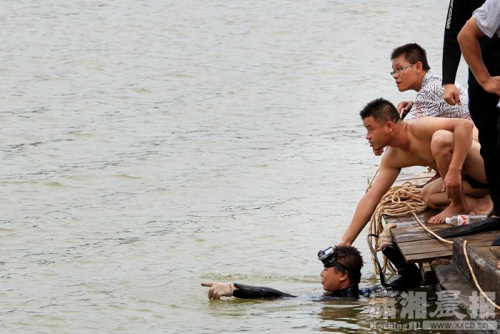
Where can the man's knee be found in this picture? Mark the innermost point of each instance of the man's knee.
(441, 142)
(426, 193)
(428, 202)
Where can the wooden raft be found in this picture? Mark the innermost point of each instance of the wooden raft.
(418, 246)
(415, 243)
(450, 270)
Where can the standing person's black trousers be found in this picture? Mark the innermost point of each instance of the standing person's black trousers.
(486, 117)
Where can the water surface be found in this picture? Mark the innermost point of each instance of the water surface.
(151, 145)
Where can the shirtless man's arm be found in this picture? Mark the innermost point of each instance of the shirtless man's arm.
(366, 206)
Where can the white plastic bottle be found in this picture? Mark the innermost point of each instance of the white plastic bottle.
(464, 219)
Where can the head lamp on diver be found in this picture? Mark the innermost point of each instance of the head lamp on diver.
(327, 256)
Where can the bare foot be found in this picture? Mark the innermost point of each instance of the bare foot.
(437, 219)
(450, 211)
(483, 207)
(498, 265)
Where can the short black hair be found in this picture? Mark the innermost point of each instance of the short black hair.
(350, 258)
(381, 110)
(413, 53)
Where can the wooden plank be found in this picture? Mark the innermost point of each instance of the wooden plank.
(415, 243)
(486, 237)
(427, 255)
(495, 251)
(412, 258)
(423, 216)
(415, 226)
(423, 247)
(485, 253)
(405, 232)
(418, 231)
(413, 238)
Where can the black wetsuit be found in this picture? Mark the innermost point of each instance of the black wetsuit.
(482, 105)
(261, 292)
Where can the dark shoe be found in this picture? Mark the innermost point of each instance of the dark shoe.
(407, 281)
(489, 224)
(409, 275)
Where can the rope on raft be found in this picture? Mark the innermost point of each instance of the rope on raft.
(430, 231)
(466, 254)
(398, 201)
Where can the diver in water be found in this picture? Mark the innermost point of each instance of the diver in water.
(340, 278)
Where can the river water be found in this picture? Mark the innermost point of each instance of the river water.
(148, 146)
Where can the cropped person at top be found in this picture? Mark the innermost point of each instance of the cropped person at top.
(459, 11)
(482, 105)
(485, 23)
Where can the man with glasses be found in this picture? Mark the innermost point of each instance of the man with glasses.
(411, 71)
(340, 278)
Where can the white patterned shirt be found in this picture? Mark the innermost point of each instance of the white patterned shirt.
(429, 101)
(488, 20)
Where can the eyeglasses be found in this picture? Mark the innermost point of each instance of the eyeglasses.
(329, 260)
(401, 69)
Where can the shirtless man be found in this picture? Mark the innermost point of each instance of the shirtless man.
(444, 144)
